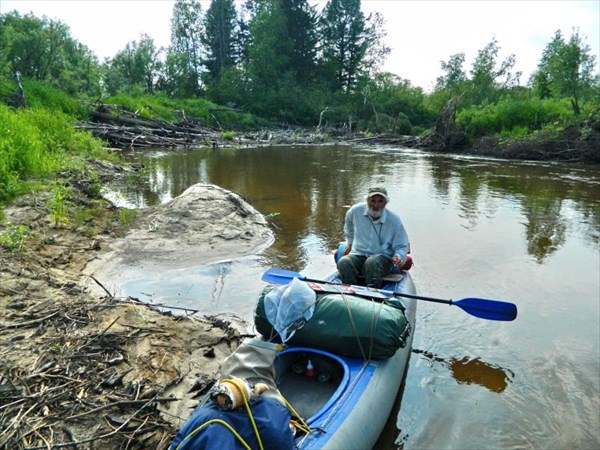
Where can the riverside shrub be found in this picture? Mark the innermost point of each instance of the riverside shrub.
(39, 143)
(511, 117)
(21, 151)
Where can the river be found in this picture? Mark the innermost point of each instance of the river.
(522, 232)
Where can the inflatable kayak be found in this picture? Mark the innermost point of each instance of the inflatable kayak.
(332, 385)
(346, 400)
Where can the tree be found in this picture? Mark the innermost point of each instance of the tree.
(377, 51)
(220, 24)
(301, 22)
(270, 45)
(540, 79)
(244, 38)
(185, 54)
(487, 80)
(345, 39)
(43, 49)
(455, 76)
(566, 69)
(137, 64)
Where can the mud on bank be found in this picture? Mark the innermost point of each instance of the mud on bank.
(79, 368)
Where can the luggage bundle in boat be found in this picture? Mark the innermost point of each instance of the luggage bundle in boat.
(346, 325)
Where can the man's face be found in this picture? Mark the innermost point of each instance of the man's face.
(376, 204)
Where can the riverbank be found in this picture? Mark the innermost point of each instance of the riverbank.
(578, 142)
(81, 366)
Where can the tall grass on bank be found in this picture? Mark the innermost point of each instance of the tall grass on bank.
(37, 143)
(512, 117)
(159, 106)
(40, 95)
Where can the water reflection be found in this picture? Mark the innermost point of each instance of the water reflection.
(308, 189)
(545, 229)
(473, 371)
(540, 193)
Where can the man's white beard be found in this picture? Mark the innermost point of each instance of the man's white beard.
(375, 214)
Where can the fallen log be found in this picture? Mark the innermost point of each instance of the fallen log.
(123, 129)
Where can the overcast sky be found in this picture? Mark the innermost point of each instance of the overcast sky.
(421, 33)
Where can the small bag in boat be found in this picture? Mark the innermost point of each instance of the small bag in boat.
(340, 322)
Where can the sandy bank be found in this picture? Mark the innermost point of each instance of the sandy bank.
(80, 366)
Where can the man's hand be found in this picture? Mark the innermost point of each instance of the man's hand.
(397, 262)
(347, 249)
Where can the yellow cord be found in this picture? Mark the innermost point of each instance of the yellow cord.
(300, 423)
(221, 422)
(242, 392)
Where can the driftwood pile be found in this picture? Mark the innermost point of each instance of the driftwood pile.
(123, 129)
(385, 139)
(53, 392)
(126, 130)
(73, 395)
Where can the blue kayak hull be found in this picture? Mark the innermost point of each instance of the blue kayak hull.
(352, 413)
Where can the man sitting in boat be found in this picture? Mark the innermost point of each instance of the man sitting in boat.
(376, 241)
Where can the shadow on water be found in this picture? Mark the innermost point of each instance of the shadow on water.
(473, 371)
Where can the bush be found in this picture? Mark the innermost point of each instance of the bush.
(38, 143)
(228, 135)
(511, 114)
(21, 151)
(515, 132)
(403, 125)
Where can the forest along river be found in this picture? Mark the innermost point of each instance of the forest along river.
(522, 232)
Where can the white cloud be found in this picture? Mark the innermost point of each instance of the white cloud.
(421, 33)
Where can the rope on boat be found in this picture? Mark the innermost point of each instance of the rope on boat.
(362, 350)
(374, 325)
(301, 423)
(366, 360)
(220, 422)
(242, 392)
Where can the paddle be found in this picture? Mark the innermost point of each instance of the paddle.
(478, 307)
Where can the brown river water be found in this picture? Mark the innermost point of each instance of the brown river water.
(522, 232)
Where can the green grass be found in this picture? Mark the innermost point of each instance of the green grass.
(127, 216)
(514, 117)
(13, 238)
(228, 135)
(58, 204)
(40, 95)
(37, 143)
(160, 107)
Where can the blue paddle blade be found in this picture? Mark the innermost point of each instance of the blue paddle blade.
(488, 309)
(280, 276)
